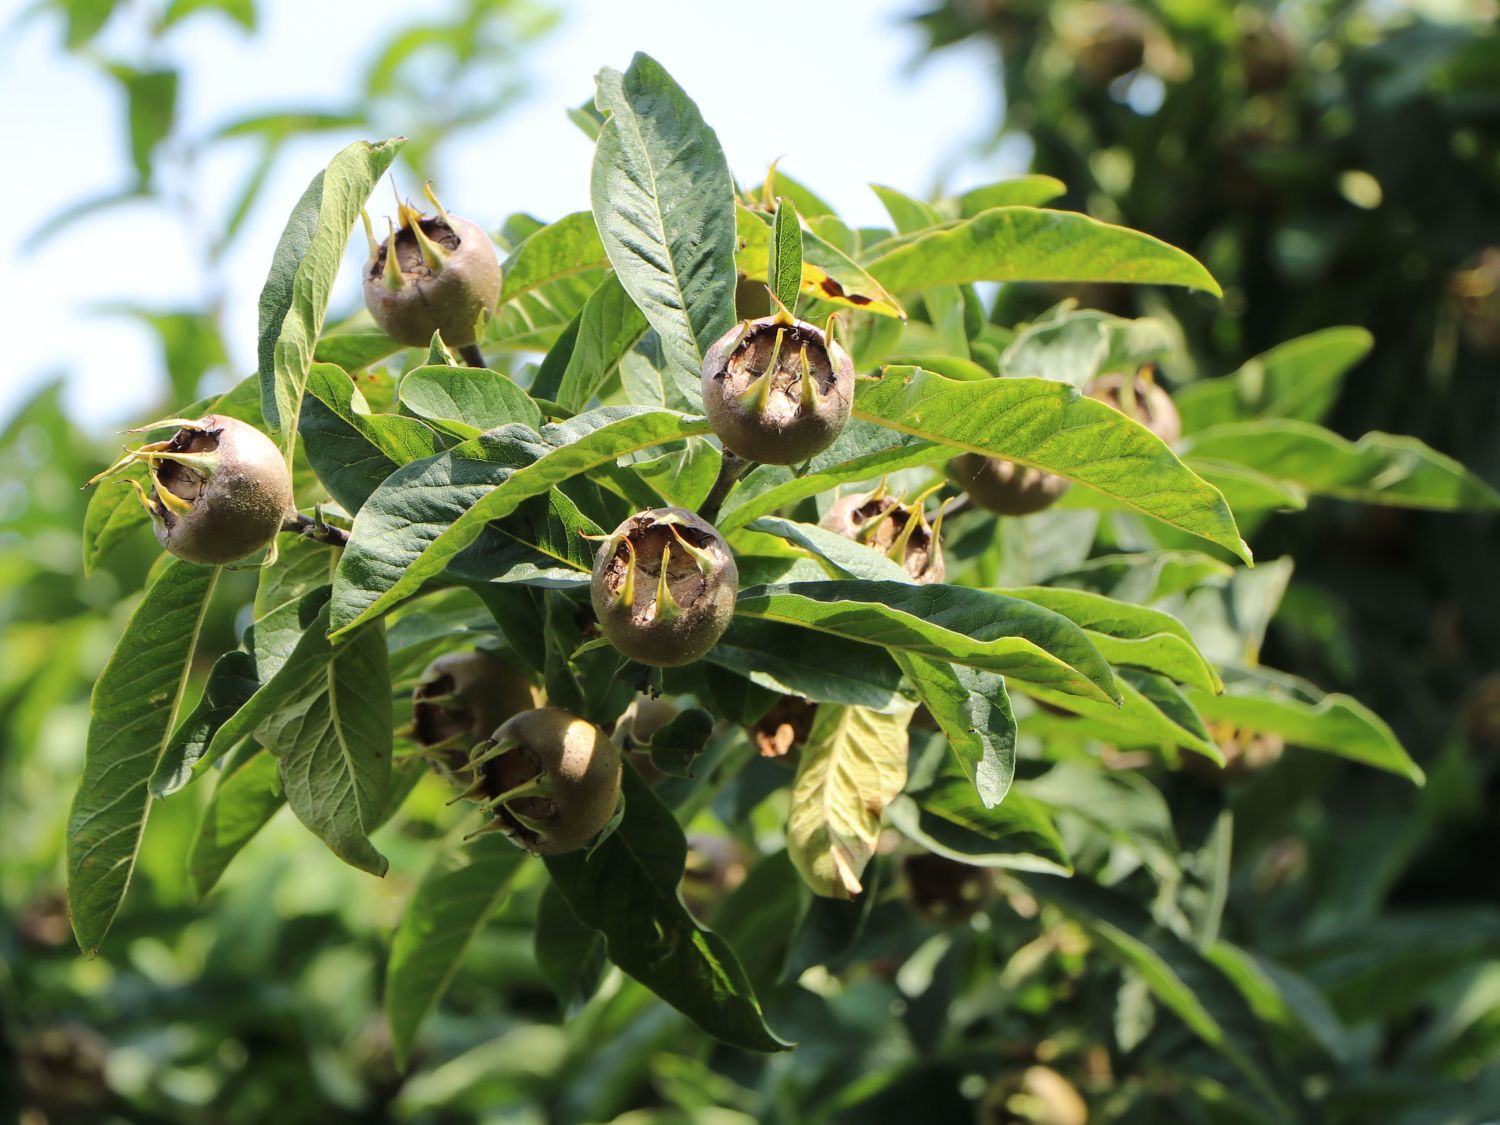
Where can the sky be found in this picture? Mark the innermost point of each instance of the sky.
(849, 101)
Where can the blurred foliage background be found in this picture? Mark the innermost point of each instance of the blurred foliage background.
(1332, 163)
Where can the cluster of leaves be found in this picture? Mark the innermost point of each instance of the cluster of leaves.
(1117, 619)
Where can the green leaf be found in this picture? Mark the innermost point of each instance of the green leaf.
(862, 452)
(970, 627)
(332, 736)
(131, 712)
(474, 397)
(569, 246)
(113, 514)
(1180, 978)
(303, 268)
(664, 205)
(535, 320)
(1388, 469)
(1283, 999)
(1076, 345)
(792, 661)
(246, 796)
(1335, 724)
(627, 889)
(973, 711)
(230, 685)
(609, 326)
(1130, 634)
(1023, 191)
(827, 272)
(1153, 714)
(459, 892)
(1298, 379)
(151, 100)
(948, 818)
(784, 264)
(1053, 427)
(429, 511)
(1145, 577)
(570, 955)
(852, 766)
(1246, 490)
(1030, 244)
(848, 558)
(354, 351)
(351, 449)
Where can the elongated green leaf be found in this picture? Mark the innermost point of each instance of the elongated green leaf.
(1130, 634)
(1178, 975)
(853, 765)
(1335, 724)
(848, 558)
(1030, 244)
(1051, 426)
(429, 511)
(948, 818)
(801, 662)
(827, 272)
(1145, 577)
(1246, 490)
(1144, 720)
(970, 627)
(569, 246)
(351, 449)
(134, 704)
(1023, 191)
(332, 738)
(664, 205)
(862, 452)
(973, 710)
(246, 796)
(535, 320)
(609, 325)
(354, 351)
(1079, 344)
(784, 265)
(1297, 379)
(462, 888)
(113, 514)
(1282, 999)
(295, 297)
(570, 955)
(231, 683)
(627, 890)
(1378, 469)
(474, 397)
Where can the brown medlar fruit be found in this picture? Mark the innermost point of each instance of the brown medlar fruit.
(897, 530)
(1139, 398)
(1005, 488)
(461, 698)
(664, 587)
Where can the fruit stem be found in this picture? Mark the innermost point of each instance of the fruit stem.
(471, 355)
(315, 529)
(730, 470)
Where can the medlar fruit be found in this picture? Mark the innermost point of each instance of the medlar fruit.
(1139, 398)
(664, 587)
(899, 531)
(1005, 488)
(461, 698)
(437, 274)
(777, 390)
(945, 891)
(551, 779)
(784, 727)
(220, 488)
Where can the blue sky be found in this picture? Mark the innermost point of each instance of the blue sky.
(884, 115)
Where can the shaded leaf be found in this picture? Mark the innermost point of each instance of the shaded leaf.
(1297, 379)
(973, 711)
(948, 818)
(246, 796)
(475, 397)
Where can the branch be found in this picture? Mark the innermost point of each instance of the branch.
(730, 470)
(316, 530)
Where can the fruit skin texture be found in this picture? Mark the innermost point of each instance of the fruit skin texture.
(488, 691)
(788, 428)
(1005, 488)
(878, 520)
(701, 591)
(449, 301)
(239, 508)
(581, 769)
(1152, 406)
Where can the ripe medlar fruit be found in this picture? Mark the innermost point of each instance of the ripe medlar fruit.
(221, 488)
(899, 531)
(442, 276)
(461, 698)
(777, 390)
(1005, 488)
(1139, 398)
(664, 587)
(551, 779)
(945, 891)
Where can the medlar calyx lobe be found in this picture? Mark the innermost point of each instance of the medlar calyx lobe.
(551, 778)
(896, 529)
(777, 390)
(664, 587)
(432, 274)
